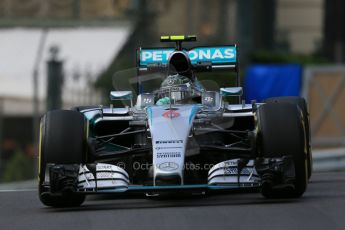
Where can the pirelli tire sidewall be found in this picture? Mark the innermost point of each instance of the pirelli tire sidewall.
(63, 140)
(281, 133)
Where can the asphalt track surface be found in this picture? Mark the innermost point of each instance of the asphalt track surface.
(322, 207)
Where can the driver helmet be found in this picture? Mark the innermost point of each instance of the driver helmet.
(177, 86)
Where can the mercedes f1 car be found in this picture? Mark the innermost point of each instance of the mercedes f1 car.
(177, 137)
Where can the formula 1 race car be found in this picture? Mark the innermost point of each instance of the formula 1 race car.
(176, 137)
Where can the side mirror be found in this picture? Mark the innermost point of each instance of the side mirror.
(121, 95)
(231, 91)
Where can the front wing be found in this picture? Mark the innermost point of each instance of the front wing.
(107, 178)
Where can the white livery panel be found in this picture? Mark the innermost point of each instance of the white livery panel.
(226, 173)
(104, 176)
(170, 128)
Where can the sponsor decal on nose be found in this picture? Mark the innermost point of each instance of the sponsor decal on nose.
(171, 114)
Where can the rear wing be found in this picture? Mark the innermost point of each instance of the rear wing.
(216, 57)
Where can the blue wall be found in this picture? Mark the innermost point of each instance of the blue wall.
(271, 80)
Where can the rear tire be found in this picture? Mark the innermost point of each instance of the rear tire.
(281, 133)
(302, 104)
(62, 141)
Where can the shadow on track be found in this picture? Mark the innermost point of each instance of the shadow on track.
(116, 202)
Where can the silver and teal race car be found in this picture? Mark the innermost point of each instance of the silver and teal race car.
(168, 132)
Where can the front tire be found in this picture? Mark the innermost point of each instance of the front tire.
(63, 135)
(281, 133)
(302, 104)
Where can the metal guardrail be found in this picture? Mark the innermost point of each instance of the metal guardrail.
(329, 160)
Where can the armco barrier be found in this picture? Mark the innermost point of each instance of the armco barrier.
(329, 160)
